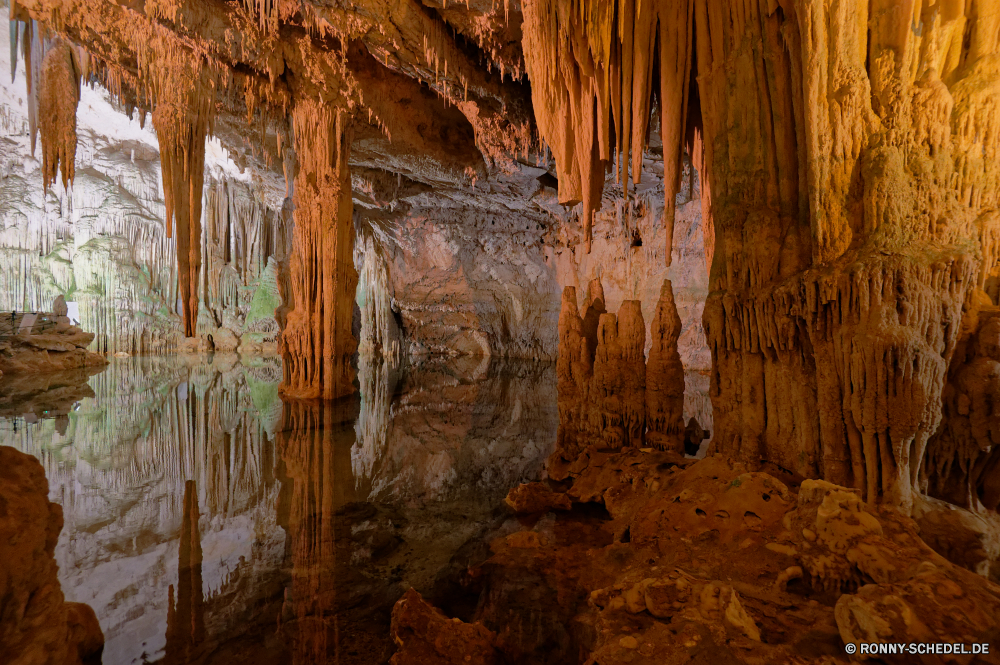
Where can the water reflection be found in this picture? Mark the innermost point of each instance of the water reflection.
(205, 520)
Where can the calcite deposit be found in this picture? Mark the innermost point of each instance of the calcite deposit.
(43, 342)
(609, 393)
(759, 232)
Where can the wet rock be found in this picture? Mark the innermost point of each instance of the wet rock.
(531, 498)
(48, 344)
(36, 625)
(425, 636)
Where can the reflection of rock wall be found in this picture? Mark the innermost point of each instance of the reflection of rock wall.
(119, 473)
(102, 243)
(467, 428)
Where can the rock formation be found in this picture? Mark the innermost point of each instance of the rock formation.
(36, 624)
(318, 342)
(43, 342)
(786, 208)
(665, 377)
(425, 635)
(184, 108)
(705, 560)
(613, 395)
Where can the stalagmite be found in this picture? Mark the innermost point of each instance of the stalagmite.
(317, 342)
(184, 111)
(665, 377)
(59, 94)
(573, 372)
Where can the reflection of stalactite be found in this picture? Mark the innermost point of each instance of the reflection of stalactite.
(153, 425)
(186, 618)
(315, 443)
(317, 342)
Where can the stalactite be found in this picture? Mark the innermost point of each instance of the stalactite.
(591, 66)
(665, 376)
(183, 114)
(59, 94)
(317, 342)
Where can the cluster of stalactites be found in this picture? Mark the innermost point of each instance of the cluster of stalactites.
(53, 69)
(59, 95)
(184, 98)
(591, 65)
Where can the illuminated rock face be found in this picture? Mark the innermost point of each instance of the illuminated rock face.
(853, 231)
(318, 340)
(845, 204)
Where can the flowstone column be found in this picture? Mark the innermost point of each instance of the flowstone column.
(851, 152)
(317, 342)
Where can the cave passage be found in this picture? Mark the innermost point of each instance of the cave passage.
(534, 331)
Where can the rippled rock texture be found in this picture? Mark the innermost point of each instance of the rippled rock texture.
(37, 626)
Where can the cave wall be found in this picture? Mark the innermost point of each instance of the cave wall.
(102, 242)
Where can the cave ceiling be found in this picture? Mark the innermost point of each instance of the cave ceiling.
(437, 90)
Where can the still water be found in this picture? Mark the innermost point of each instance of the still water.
(208, 521)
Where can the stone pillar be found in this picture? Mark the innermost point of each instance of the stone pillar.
(317, 342)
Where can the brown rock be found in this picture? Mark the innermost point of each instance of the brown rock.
(36, 624)
(665, 376)
(425, 636)
(531, 498)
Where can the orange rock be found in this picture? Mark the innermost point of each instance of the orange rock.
(36, 624)
(531, 498)
(665, 375)
(425, 636)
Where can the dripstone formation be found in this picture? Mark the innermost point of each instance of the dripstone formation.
(791, 202)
